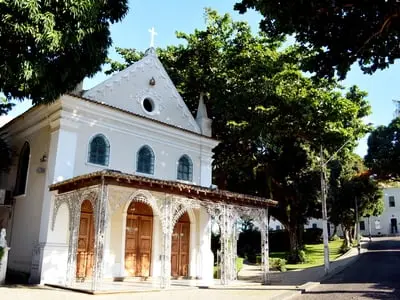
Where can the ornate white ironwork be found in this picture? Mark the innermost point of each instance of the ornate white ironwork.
(171, 208)
(106, 200)
(74, 201)
(260, 219)
(101, 221)
(226, 217)
(119, 197)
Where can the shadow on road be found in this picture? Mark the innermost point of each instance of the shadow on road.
(375, 275)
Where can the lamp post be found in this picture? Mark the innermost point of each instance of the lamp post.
(323, 203)
(357, 227)
(324, 215)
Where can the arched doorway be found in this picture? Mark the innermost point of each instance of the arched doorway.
(180, 247)
(85, 252)
(138, 239)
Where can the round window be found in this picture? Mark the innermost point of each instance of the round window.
(148, 105)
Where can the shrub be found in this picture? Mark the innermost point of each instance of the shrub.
(1, 252)
(277, 264)
(344, 248)
(297, 257)
(334, 238)
(312, 236)
(303, 257)
(239, 264)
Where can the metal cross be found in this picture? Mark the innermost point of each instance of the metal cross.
(153, 33)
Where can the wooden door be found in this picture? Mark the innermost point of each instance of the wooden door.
(180, 248)
(85, 251)
(138, 241)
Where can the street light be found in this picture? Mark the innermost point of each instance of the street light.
(323, 203)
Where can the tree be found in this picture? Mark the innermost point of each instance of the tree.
(48, 47)
(270, 118)
(351, 185)
(383, 156)
(338, 33)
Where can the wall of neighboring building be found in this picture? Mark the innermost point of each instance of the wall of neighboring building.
(389, 221)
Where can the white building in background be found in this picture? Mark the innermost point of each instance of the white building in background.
(388, 222)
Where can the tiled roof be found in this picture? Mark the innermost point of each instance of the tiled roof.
(113, 177)
(137, 115)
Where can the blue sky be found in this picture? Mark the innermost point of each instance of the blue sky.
(176, 15)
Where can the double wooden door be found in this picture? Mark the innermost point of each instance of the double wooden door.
(180, 248)
(138, 239)
(85, 251)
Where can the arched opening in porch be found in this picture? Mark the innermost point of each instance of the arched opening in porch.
(138, 239)
(85, 250)
(180, 247)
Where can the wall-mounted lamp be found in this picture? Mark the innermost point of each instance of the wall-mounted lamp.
(152, 81)
(40, 170)
(43, 158)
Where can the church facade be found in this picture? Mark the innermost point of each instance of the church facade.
(116, 182)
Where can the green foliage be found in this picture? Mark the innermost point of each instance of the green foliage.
(296, 257)
(239, 264)
(1, 252)
(47, 47)
(383, 155)
(349, 182)
(334, 238)
(335, 33)
(312, 236)
(277, 264)
(344, 248)
(270, 118)
(5, 151)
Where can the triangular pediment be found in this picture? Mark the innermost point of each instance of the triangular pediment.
(144, 88)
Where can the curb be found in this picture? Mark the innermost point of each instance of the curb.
(351, 261)
(311, 285)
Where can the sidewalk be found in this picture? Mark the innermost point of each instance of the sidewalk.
(297, 278)
(284, 285)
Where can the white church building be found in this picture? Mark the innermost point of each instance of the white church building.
(116, 182)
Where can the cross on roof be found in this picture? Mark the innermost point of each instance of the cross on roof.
(153, 33)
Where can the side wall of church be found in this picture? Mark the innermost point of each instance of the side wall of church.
(24, 235)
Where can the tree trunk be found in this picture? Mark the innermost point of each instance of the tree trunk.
(334, 231)
(300, 232)
(294, 245)
(350, 236)
(346, 234)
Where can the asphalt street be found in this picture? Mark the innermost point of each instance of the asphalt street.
(375, 275)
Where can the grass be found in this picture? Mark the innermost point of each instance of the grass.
(239, 266)
(315, 255)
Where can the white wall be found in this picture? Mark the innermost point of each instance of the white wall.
(24, 235)
(126, 135)
(128, 89)
(381, 225)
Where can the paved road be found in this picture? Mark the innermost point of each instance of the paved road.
(376, 275)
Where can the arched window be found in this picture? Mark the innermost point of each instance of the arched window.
(22, 173)
(185, 168)
(145, 160)
(99, 150)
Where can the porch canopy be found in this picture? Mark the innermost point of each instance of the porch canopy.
(108, 190)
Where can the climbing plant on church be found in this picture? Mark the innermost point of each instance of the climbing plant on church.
(47, 47)
(271, 119)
